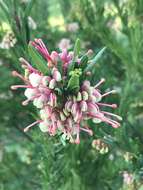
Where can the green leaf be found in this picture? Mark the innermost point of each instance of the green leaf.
(5, 10)
(77, 47)
(28, 8)
(37, 60)
(83, 62)
(95, 59)
(73, 84)
(71, 67)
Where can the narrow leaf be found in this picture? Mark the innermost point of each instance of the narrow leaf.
(77, 47)
(95, 59)
(28, 8)
(73, 84)
(37, 60)
(83, 62)
(71, 67)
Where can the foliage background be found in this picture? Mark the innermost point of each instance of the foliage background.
(36, 161)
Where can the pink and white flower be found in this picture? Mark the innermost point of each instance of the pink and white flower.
(59, 109)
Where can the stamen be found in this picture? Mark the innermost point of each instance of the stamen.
(113, 123)
(24, 62)
(25, 103)
(43, 49)
(39, 41)
(16, 74)
(114, 115)
(14, 87)
(31, 125)
(107, 105)
(99, 83)
(77, 141)
(90, 132)
(110, 92)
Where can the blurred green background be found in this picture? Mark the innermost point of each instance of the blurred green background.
(34, 161)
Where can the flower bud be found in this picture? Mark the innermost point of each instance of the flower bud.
(39, 102)
(44, 126)
(92, 99)
(74, 109)
(57, 75)
(35, 79)
(53, 100)
(59, 125)
(68, 106)
(52, 84)
(62, 116)
(92, 108)
(77, 116)
(66, 112)
(29, 93)
(74, 99)
(86, 85)
(83, 106)
(97, 96)
(45, 80)
(43, 114)
(70, 122)
(79, 97)
(55, 56)
(84, 95)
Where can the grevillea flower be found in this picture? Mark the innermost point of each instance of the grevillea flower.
(59, 88)
(8, 41)
(128, 178)
(72, 27)
(31, 23)
(100, 146)
(65, 43)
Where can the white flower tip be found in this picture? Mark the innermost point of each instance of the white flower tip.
(119, 118)
(13, 87)
(114, 92)
(115, 125)
(88, 73)
(25, 103)
(103, 79)
(21, 59)
(90, 132)
(26, 129)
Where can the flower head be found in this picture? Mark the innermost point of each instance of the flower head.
(72, 27)
(128, 178)
(60, 90)
(65, 43)
(8, 41)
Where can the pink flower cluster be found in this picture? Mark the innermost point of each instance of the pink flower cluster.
(65, 114)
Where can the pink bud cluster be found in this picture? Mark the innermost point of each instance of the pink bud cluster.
(67, 115)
